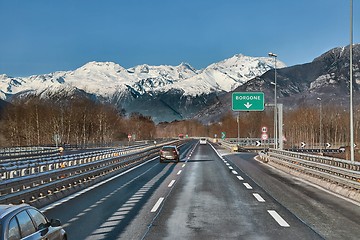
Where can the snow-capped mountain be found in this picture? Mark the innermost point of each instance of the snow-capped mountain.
(129, 88)
(326, 77)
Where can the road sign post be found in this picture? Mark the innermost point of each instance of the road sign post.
(264, 135)
(248, 101)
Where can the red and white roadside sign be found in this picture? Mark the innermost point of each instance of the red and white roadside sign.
(129, 136)
(264, 136)
(264, 129)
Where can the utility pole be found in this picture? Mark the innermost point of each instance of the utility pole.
(275, 103)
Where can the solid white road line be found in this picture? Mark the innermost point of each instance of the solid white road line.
(240, 178)
(157, 205)
(247, 186)
(171, 183)
(234, 172)
(179, 172)
(278, 218)
(258, 197)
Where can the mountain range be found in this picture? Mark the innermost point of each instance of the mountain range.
(164, 92)
(170, 93)
(326, 77)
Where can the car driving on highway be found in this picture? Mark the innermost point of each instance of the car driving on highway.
(202, 141)
(169, 153)
(26, 222)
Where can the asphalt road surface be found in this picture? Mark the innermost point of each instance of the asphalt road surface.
(208, 195)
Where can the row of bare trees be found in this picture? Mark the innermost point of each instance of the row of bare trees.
(300, 125)
(81, 121)
(36, 121)
(304, 125)
(250, 123)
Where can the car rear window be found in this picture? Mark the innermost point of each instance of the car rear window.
(168, 148)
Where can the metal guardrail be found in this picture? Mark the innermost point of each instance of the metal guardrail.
(24, 151)
(227, 144)
(335, 170)
(28, 181)
(24, 167)
(233, 146)
(249, 141)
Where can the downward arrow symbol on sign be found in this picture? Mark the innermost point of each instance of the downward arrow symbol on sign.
(248, 105)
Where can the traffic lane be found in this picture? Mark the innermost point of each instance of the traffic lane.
(104, 211)
(141, 224)
(211, 202)
(323, 211)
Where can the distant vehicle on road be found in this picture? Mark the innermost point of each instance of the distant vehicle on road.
(169, 153)
(202, 141)
(26, 222)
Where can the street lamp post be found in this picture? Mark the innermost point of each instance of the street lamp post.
(352, 157)
(320, 137)
(275, 103)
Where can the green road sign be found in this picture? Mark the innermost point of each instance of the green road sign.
(223, 135)
(248, 101)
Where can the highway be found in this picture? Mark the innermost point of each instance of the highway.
(210, 194)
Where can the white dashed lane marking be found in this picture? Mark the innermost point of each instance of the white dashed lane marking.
(157, 205)
(179, 172)
(171, 183)
(258, 197)
(247, 186)
(278, 218)
(240, 178)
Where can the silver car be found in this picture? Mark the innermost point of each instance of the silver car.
(26, 222)
(169, 153)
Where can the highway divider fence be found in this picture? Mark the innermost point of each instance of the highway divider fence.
(26, 151)
(43, 180)
(335, 171)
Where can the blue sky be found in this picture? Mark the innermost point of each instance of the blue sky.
(43, 36)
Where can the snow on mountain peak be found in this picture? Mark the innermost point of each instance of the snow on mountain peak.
(228, 74)
(3, 76)
(108, 78)
(186, 67)
(100, 67)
